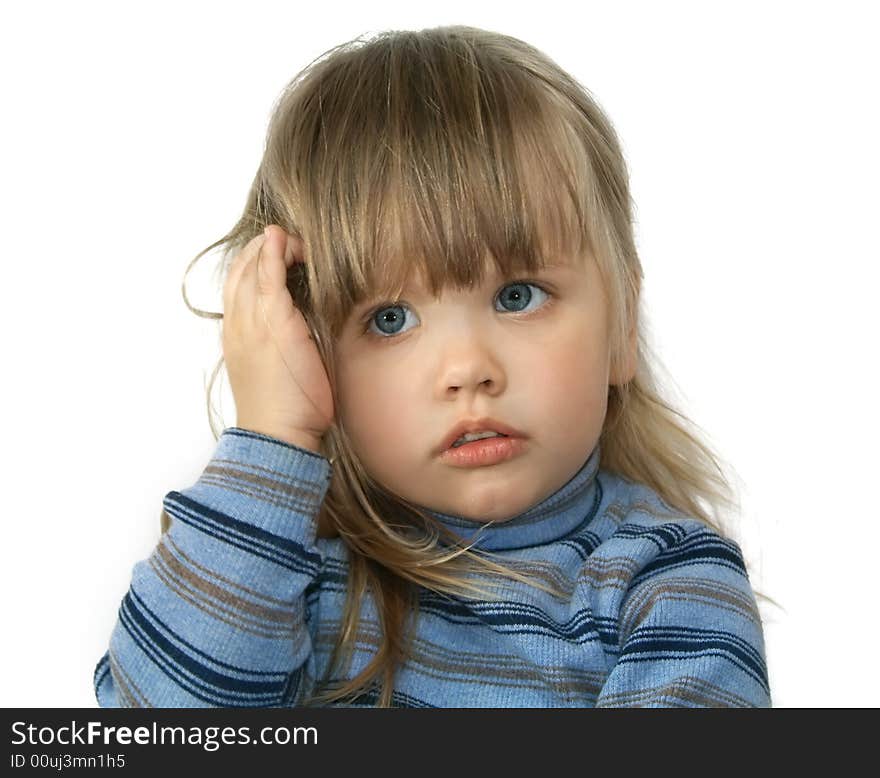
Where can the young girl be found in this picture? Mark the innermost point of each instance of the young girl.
(452, 480)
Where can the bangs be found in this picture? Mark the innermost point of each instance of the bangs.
(516, 206)
(433, 159)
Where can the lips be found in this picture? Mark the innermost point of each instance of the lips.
(484, 424)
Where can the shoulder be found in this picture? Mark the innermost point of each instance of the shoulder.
(658, 551)
(672, 566)
(679, 606)
(647, 529)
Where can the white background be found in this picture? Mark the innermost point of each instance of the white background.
(131, 133)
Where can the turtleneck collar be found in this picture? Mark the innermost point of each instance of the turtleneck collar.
(557, 516)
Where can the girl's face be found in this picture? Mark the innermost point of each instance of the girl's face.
(529, 351)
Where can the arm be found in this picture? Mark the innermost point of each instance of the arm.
(216, 616)
(690, 633)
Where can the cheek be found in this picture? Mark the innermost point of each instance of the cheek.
(374, 410)
(572, 382)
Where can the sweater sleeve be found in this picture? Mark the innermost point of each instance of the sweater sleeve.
(689, 632)
(217, 615)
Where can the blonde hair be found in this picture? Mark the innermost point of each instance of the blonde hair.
(430, 151)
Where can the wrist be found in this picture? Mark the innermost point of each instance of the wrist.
(296, 438)
(307, 442)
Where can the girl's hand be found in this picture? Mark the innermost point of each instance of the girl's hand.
(278, 380)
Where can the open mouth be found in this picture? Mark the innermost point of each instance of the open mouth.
(472, 439)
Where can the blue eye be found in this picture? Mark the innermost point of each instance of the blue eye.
(521, 296)
(389, 319)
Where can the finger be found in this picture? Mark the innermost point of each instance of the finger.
(270, 265)
(294, 251)
(263, 286)
(244, 257)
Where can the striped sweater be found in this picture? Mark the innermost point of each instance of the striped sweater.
(239, 603)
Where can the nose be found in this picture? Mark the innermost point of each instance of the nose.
(488, 382)
(470, 366)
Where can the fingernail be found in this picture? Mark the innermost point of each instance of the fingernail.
(266, 231)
